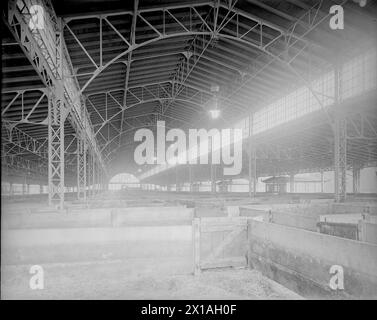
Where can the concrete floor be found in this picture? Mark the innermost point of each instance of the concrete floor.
(139, 279)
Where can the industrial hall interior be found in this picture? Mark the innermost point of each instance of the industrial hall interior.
(189, 149)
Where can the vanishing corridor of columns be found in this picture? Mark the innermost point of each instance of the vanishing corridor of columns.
(95, 79)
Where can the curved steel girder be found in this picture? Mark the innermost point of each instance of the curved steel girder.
(275, 57)
(132, 48)
(213, 33)
(133, 128)
(143, 102)
(213, 4)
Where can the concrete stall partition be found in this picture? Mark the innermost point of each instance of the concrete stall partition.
(252, 211)
(343, 225)
(313, 210)
(354, 208)
(102, 217)
(358, 226)
(293, 220)
(343, 230)
(153, 247)
(285, 218)
(351, 218)
(54, 219)
(152, 216)
(155, 237)
(302, 260)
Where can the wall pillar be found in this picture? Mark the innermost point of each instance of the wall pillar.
(291, 183)
(90, 174)
(81, 169)
(191, 173)
(340, 143)
(176, 179)
(213, 178)
(322, 182)
(252, 160)
(356, 178)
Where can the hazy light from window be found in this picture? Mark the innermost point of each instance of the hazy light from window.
(214, 113)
